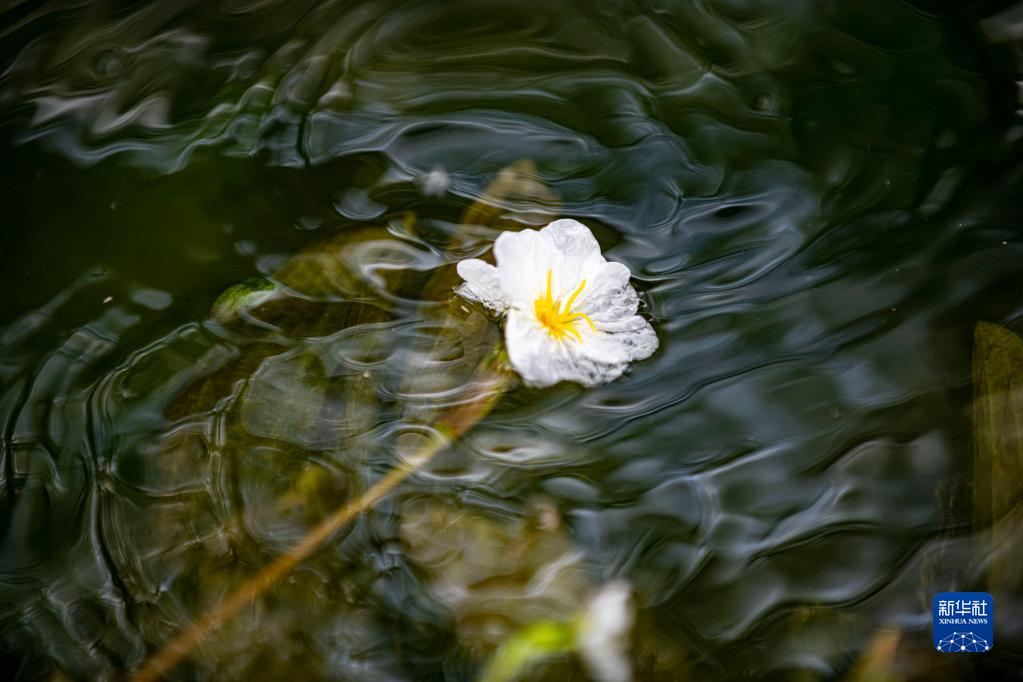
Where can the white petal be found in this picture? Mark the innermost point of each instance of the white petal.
(608, 296)
(606, 631)
(578, 254)
(565, 248)
(618, 344)
(523, 259)
(612, 305)
(599, 357)
(533, 353)
(482, 284)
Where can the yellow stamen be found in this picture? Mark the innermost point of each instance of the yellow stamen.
(571, 299)
(560, 320)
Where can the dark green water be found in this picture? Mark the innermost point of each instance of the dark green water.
(818, 200)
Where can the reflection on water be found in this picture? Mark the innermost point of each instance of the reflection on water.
(817, 200)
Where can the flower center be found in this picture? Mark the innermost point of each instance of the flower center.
(560, 320)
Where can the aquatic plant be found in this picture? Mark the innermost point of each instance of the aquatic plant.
(570, 314)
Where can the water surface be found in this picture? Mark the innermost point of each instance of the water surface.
(819, 201)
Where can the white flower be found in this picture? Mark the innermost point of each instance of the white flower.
(571, 315)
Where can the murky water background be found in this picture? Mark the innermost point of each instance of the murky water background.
(818, 199)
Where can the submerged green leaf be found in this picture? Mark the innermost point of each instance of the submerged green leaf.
(528, 647)
(241, 297)
(600, 634)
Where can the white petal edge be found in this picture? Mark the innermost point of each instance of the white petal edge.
(482, 284)
(608, 296)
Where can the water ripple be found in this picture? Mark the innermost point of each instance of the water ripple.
(221, 322)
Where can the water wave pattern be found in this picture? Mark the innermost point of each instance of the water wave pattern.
(813, 198)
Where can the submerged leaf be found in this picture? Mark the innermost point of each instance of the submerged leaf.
(997, 432)
(368, 264)
(877, 661)
(242, 297)
(516, 189)
(600, 634)
(528, 647)
(495, 575)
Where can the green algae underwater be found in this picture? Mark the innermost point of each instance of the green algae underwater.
(250, 432)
